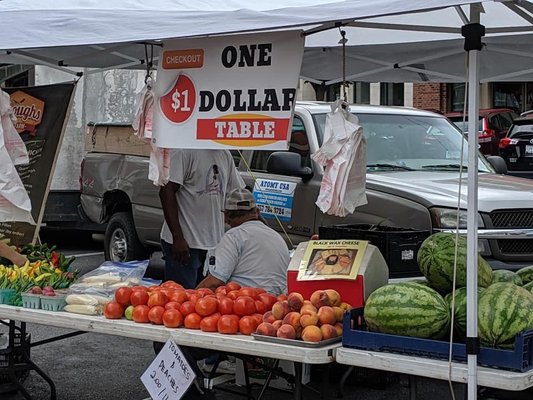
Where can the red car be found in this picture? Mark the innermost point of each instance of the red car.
(493, 126)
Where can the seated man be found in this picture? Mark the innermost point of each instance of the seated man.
(250, 253)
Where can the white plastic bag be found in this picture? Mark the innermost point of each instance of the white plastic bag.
(13, 142)
(343, 154)
(158, 169)
(15, 204)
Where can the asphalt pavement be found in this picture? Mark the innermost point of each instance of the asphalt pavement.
(105, 367)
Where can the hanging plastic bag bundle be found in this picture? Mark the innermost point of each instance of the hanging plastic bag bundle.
(343, 155)
(15, 204)
(158, 169)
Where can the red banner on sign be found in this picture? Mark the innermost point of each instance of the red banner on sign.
(257, 129)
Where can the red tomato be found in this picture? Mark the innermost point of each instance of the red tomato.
(139, 297)
(187, 308)
(122, 296)
(221, 289)
(167, 291)
(157, 298)
(225, 305)
(232, 286)
(171, 285)
(258, 318)
(233, 294)
(268, 299)
(209, 324)
(179, 296)
(153, 288)
(155, 315)
(247, 325)
(206, 306)
(205, 291)
(247, 291)
(172, 305)
(143, 288)
(172, 318)
(140, 313)
(259, 290)
(244, 305)
(281, 297)
(113, 310)
(192, 321)
(228, 324)
(260, 307)
(194, 297)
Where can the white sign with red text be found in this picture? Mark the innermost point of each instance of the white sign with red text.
(231, 92)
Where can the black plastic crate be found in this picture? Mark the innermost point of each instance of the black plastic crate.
(20, 346)
(399, 246)
(355, 335)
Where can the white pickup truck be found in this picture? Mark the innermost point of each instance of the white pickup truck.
(413, 160)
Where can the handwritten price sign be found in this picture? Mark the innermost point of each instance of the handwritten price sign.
(178, 103)
(169, 376)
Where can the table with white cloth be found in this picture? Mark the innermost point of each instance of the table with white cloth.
(433, 368)
(238, 344)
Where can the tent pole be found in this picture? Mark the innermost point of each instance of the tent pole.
(472, 33)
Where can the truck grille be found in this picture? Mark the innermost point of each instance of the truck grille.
(510, 220)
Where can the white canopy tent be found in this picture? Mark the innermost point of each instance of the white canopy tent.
(112, 34)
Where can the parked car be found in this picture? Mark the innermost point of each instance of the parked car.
(517, 147)
(493, 126)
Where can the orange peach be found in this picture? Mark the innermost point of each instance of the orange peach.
(266, 328)
(326, 315)
(280, 309)
(320, 298)
(345, 306)
(309, 319)
(268, 317)
(312, 333)
(308, 308)
(338, 328)
(334, 297)
(277, 323)
(295, 300)
(286, 331)
(328, 331)
(293, 318)
(339, 313)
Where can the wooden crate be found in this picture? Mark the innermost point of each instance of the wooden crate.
(114, 138)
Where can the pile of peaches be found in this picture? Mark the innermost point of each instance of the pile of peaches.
(312, 320)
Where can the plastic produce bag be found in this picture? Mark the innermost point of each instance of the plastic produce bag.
(94, 289)
(343, 154)
(158, 169)
(13, 142)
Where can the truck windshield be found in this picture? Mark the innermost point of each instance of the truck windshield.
(410, 141)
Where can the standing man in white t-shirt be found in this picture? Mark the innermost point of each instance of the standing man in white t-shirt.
(250, 253)
(199, 180)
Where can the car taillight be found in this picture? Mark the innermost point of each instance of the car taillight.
(486, 135)
(506, 142)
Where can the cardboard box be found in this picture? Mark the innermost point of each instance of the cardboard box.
(373, 273)
(115, 138)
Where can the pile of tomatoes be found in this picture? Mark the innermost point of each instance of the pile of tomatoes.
(230, 309)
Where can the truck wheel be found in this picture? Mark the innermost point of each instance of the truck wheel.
(121, 242)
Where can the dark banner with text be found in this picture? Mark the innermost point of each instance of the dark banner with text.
(42, 113)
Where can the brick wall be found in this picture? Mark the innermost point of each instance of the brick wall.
(430, 96)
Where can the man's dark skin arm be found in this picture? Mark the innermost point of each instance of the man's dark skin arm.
(167, 195)
(210, 282)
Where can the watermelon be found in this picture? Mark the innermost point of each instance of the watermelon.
(407, 309)
(459, 309)
(436, 262)
(526, 274)
(504, 275)
(504, 310)
(529, 286)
